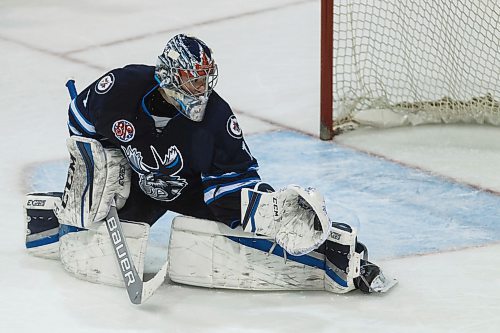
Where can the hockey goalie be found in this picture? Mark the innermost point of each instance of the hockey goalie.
(145, 140)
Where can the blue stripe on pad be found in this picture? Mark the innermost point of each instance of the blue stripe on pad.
(43, 241)
(265, 245)
(66, 229)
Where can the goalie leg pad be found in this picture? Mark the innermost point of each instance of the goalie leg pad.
(42, 226)
(89, 255)
(210, 254)
(96, 177)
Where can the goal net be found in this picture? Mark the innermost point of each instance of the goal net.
(400, 62)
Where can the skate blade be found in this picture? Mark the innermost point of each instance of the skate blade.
(382, 284)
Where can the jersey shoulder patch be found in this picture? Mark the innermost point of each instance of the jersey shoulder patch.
(105, 84)
(127, 79)
(123, 130)
(233, 128)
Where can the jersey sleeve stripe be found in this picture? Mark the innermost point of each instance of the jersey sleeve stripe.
(215, 192)
(73, 130)
(80, 119)
(205, 178)
(224, 184)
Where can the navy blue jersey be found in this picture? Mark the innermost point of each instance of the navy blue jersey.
(174, 158)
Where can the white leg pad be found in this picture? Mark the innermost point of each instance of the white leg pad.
(210, 254)
(89, 255)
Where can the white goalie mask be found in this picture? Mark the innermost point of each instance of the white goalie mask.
(187, 74)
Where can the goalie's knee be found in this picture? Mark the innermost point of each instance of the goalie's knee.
(42, 226)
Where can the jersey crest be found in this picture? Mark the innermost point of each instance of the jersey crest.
(159, 181)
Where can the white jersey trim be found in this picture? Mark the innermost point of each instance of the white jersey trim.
(216, 192)
(84, 123)
(73, 130)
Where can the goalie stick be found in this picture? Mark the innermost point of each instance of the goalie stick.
(138, 290)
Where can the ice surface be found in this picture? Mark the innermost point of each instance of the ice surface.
(268, 53)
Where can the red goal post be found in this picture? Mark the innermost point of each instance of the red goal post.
(326, 85)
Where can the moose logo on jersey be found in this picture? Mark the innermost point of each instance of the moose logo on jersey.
(160, 182)
(123, 130)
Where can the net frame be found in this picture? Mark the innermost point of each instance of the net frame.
(455, 35)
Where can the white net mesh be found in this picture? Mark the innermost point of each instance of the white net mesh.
(400, 61)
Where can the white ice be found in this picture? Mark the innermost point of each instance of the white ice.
(268, 55)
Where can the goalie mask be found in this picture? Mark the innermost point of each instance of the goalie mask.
(187, 74)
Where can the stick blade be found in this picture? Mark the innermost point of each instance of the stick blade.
(150, 286)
